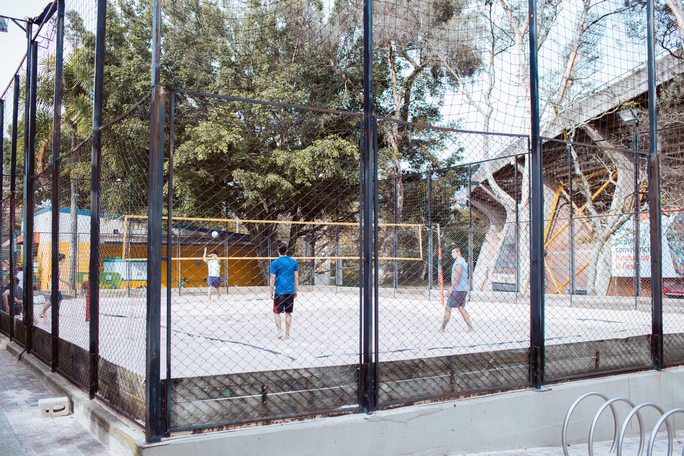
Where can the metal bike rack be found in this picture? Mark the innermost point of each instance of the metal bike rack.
(662, 419)
(572, 408)
(618, 438)
(635, 411)
(609, 403)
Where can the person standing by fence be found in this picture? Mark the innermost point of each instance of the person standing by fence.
(284, 284)
(459, 289)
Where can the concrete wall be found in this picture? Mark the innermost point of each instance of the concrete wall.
(513, 420)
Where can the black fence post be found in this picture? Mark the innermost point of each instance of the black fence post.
(29, 168)
(654, 200)
(571, 246)
(166, 417)
(94, 266)
(56, 139)
(637, 220)
(536, 217)
(395, 280)
(430, 246)
(375, 371)
(365, 387)
(12, 203)
(153, 412)
(516, 196)
(470, 229)
(27, 114)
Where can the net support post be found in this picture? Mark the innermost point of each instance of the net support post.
(165, 413)
(153, 409)
(366, 387)
(654, 199)
(395, 272)
(12, 203)
(470, 230)
(536, 215)
(29, 170)
(56, 139)
(95, 177)
(430, 247)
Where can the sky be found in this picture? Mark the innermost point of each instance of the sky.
(13, 43)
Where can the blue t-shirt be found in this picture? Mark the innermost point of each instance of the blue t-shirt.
(463, 284)
(284, 269)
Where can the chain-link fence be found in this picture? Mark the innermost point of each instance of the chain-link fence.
(405, 193)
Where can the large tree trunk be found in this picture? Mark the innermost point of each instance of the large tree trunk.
(264, 242)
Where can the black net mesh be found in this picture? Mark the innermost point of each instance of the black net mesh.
(246, 178)
(122, 296)
(263, 147)
(6, 228)
(12, 316)
(672, 221)
(594, 320)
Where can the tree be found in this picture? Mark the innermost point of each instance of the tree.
(669, 23)
(414, 44)
(505, 39)
(256, 162)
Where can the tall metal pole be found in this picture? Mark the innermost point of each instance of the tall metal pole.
(470, 227)
(637, 219)
(430, 248)
(28, 199)
(338, 261)
(12, 203)
(517, 230)
(571, 243)
(396, 221)
(537, 217)
(654, 199)
(153, 412)
(27, 114)
(169, 250)
(366, 393)
(375, 372)
(95, 177)
(312, 249)
(56, 140)
(128, 233)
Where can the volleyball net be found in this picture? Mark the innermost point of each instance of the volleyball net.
(259, 239)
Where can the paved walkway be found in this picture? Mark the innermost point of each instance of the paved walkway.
(629, 447)
(23, 432)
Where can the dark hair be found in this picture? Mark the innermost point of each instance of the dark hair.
(60, 257)
(282, 248)
(455, 247)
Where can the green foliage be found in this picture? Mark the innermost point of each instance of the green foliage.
(247, 160)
